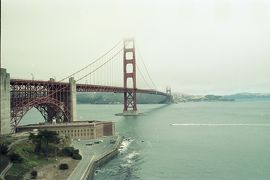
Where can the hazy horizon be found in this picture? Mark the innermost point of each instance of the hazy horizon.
(210, 47)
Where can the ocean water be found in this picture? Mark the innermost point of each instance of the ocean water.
(202, 140)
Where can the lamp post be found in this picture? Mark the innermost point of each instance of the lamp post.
(32, 76)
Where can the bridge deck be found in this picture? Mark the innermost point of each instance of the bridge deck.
(84, 87)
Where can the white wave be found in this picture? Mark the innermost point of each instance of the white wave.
(129, 161)
(130, 157)
(124, 146)
(193, 124)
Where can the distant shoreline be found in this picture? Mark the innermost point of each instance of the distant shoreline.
(107, 98)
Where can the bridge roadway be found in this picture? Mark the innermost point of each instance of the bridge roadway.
(79, 87)
(57, 100)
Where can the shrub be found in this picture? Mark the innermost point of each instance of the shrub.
(63, 166)
(77, 156)
(3, 149)
(10, 177)
(3, 162)
(34, 174)
(76, 151)
(68, 151)
(14, 157)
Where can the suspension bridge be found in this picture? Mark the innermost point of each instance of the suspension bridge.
(57, 99)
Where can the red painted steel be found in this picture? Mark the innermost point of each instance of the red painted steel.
(51, 98)
(130, 101)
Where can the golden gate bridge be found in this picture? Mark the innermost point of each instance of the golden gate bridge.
(57, 99)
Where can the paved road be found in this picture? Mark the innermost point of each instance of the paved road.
(89, 153)
(3, 173)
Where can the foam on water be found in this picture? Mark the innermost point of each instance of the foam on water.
(131, 156)
(124, 145)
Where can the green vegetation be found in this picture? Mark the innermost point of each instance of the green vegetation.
(76, 156)
(15, 157)
(68, 151)
(250, 96)
(38, 150)
(63, 166)
(177, 97)
(7, 139)
(24, 159)
(42, 140)
(34, 174)
(71, 152)
(114, 98)
(3, 162)
(3, 149)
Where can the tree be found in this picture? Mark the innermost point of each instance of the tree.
(3, 148)
(14, 157)
(76, 156)
(44, 137)
(35, 140)
(68, 151)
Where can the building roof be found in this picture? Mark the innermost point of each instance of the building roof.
(65, 124)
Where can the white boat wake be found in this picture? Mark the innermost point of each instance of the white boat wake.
(193, 124)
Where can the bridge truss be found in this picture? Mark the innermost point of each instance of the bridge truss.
(53, 98)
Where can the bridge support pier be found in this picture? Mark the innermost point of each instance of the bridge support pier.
(169, 93)
(72, 99)
(5, 126)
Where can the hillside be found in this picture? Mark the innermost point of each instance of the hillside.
(178, 97)
(114, 98)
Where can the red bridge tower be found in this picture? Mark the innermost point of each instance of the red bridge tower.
(129, 61)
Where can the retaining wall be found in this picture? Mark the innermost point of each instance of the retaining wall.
(101, 160)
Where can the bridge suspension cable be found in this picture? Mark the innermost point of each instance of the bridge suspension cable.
(92, 63)
(111, 62)
(84, 68)
(146, 69)
(100, 65)
(140, 72)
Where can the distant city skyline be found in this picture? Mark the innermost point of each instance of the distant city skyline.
(195, 47)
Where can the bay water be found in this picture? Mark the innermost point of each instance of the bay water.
(200, 140)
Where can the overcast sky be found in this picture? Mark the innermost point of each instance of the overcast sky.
(194, 46)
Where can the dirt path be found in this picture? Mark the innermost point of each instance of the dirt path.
(52, 171)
